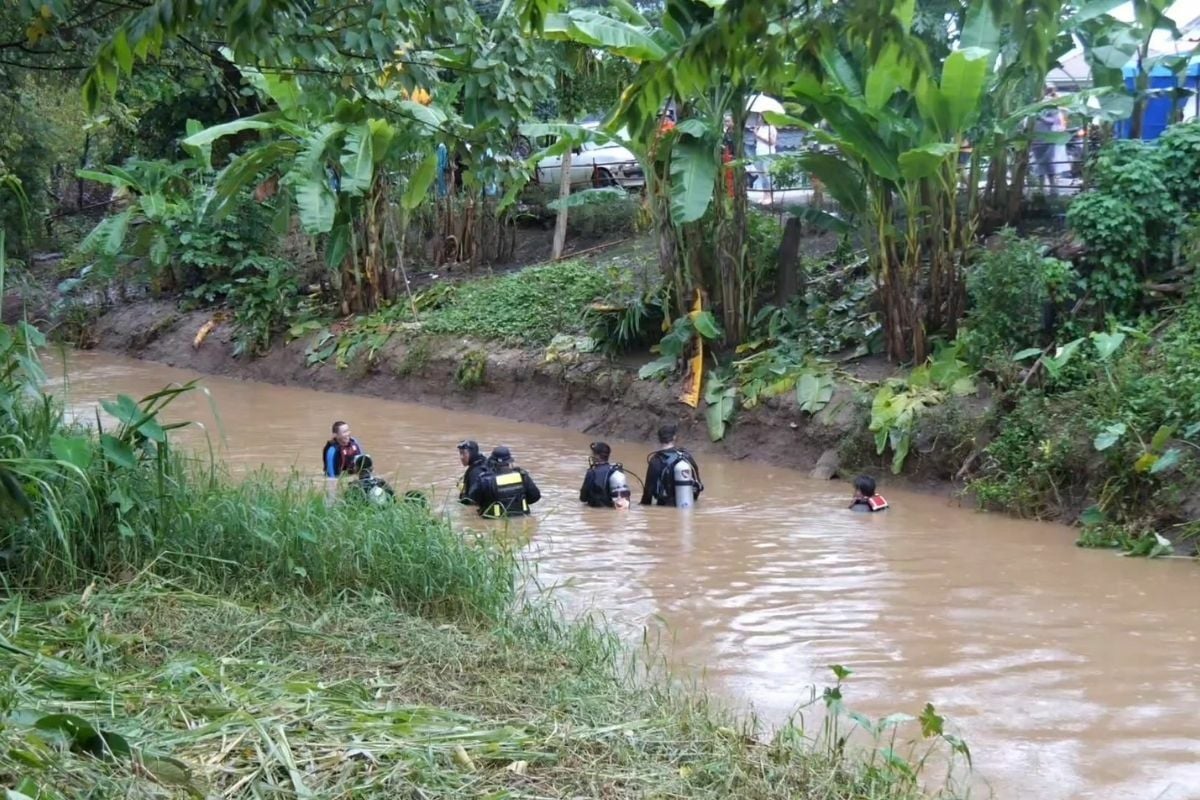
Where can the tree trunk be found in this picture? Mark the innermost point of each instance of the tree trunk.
(1016, 195)
(1142, 85)
(788, 279)
(560, 224)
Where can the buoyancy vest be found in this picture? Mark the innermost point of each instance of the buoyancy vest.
(343, 457)
(506, 494)
(875, 502)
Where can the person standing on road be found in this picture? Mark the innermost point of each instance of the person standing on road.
(1048, 156)
(766, 137)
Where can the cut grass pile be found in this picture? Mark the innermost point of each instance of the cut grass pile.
(528, 307)
(149, 690)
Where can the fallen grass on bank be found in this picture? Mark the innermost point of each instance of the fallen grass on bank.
(151, 690)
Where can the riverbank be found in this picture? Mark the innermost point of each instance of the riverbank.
(579, 391)
(1032, 440)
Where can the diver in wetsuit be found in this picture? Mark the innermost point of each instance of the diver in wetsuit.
(605, 485)
(503, 490)
(368, 487)
(470, 457)
(672, 476)
(865, 498)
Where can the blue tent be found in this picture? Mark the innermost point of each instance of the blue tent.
(1158, 110)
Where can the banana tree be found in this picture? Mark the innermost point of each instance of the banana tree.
(1026, 39)
(703, 58)
(336, 167)
(371, 53)
(1111, 43)
(896, 129)
(155, 195)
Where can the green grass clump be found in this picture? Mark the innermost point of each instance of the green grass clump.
(529, 306)
(264, 535)
(145, 690)
(101, 515)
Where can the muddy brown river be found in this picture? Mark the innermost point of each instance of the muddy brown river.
(1070, 673)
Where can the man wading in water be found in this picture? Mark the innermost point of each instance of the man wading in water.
(604, 486)
(338, 457)
(672, 476)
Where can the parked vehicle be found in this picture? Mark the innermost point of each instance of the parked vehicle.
(595, 164)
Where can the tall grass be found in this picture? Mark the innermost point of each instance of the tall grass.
(111, 502)
(265, 535)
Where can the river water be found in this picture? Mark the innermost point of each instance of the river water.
(1070, 673)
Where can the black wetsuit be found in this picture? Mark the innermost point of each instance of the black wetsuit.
(504, 492)
(470, 477)
(595, 491)
(661, 462)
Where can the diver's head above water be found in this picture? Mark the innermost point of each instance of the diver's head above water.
(468, 452)
(600, 453)
(666, 435)
(501, 457)
(341, 433)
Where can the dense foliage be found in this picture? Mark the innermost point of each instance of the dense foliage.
(299, 161)
(1014, 289)
(1116, 431)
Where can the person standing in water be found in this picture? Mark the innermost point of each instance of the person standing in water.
(470, 457)
(672, 475)
(605, 485)
(503, 490)
(339, 456)
(865, 497)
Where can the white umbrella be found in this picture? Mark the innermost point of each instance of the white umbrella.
(761, 104)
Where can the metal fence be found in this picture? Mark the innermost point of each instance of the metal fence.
(777, 180)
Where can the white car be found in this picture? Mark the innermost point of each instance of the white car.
(595, 165)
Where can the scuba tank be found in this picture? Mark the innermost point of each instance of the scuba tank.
(374, 490)
(618, 487)
(685, 483)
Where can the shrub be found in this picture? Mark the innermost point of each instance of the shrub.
(1008, 286)
(1130, 221)
(1119, 431)
(603, 213)
(1179, 153)
(265, 300)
